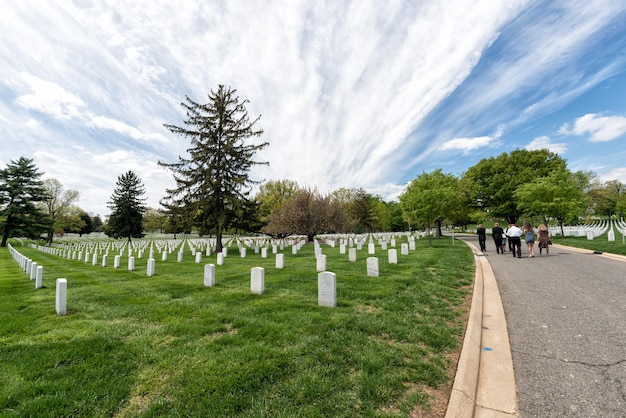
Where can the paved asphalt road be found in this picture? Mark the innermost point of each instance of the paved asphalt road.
(566, 317)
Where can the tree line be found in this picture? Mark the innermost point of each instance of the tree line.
(212, 192)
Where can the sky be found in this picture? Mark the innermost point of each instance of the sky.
(358, 94)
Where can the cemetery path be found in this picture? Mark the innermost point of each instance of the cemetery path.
(566, 319)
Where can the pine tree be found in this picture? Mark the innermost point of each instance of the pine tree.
(20, 190)
(213, 184)
(127, 208)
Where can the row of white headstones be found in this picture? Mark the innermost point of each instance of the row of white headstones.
(327, 295)
(35, 272)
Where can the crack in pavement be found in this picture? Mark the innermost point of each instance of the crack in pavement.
(616, 363)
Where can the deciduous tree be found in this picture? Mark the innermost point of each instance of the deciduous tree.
(559, 196)
(57, 204)
(495, 179)
(308, 213)
(429, 197)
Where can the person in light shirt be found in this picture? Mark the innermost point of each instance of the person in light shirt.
(514, 233)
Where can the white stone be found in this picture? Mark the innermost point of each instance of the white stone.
(94, 259)
(280, 261)
(342, 248)
(404, 249)
(33, 270)
(242, 252)
(150, 268)
(327, 289)
(611, 235)
(104, 260)
(131, 263)
(61, 297)
(198, 257)
(39, 278)
(264, 252)
(320, 262)
(392, 255)
(220, 259)
(372, 266)
(352, 254)
(209, 275)
(257, 280)
(164, 255)
(179, 257)
(371, 249)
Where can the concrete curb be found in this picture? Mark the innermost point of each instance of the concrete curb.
(585, 251)
(484, 385)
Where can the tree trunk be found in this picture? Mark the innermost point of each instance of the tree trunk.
(218, 238)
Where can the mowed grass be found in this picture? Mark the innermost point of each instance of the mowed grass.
(133, 345)
(600, 243)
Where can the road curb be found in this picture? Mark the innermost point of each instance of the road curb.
(484, 384)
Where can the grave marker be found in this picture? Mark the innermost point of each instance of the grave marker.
(257, 280)
(372, 266)
(209, 275)
(61, 296)
(39, 278)
(392, 255)
(280, 261)
(327, 289)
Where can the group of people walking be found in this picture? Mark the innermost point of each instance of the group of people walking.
(514, 235)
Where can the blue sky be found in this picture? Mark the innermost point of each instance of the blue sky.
(352, 93)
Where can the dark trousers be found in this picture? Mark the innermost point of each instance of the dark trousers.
(516, 246)
(482, 242)
(498, 242)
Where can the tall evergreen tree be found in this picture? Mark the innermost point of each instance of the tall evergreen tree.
(20, 190)
(127, 208)
(213, 184)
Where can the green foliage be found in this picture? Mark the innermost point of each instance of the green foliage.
(166, 345)
(58, 204)
(556, 196)
(429, 198)
(362, 209)
(212, 185)
(20, 191)
(127, 208)
(607, 199)
(494, 180)
(273, 194)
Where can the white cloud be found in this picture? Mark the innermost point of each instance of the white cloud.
(467, 144)
(599, 128)
(50, 98)
(125, 129)
(618, 173)
(544, 142)
(346, 88)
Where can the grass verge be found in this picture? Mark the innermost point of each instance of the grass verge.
(133, 345)
(600, 243)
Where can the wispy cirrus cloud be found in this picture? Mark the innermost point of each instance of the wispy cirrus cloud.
(351, 94)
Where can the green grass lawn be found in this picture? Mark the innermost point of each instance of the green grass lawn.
(600, 243)
(133, 345)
